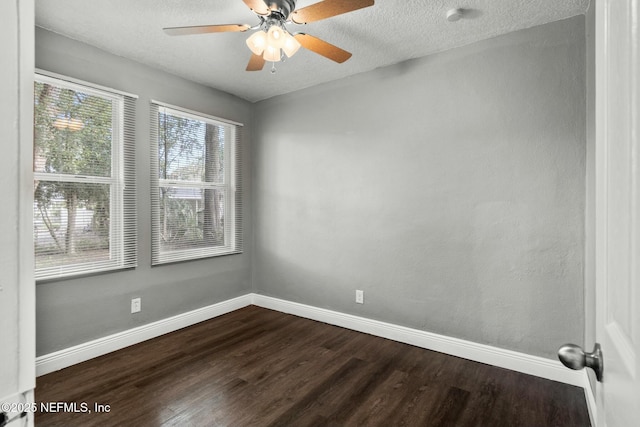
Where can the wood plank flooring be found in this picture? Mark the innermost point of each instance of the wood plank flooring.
(257, 367)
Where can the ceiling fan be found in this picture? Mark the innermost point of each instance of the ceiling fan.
(273, 41)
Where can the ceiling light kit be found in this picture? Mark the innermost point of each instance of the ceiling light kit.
(272, 41)
(454, 15)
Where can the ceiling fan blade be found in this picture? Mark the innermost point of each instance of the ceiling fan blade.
(204, 29)
(323, 48)
(327, 9)
(258, 6)
(256, 63)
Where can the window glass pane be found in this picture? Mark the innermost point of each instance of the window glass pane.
(189, 149)
(196, 191)
(191, 218)
(179, 211)
(73, 132)
(84, 179)
(71, 223)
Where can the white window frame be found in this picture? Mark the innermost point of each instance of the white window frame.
(230, 187)
(119, 258)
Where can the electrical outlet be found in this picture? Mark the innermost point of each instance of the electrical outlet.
(136, 305)
(360, 297)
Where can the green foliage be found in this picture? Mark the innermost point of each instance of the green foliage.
(180, 149)
(81, 149)
(86, 151)
(190, 150)
(180, 220)
(183, 153)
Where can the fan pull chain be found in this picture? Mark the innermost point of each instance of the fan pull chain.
(273, 68)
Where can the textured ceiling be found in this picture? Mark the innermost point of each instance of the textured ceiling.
(389, 32)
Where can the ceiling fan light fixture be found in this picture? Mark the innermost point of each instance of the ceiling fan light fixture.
(272, 54)
(291, 45)
(273, 42)
(257, 42)
(276, 36)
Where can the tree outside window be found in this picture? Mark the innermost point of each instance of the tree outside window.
(195, 205)
(79, 182)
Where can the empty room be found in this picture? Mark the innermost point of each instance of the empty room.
(327, 213)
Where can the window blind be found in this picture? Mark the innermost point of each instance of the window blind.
(84, 179)
(196, 185)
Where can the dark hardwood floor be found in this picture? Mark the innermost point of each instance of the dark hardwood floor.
(257, 367)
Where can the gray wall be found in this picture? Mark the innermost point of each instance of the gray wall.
(75, 311)
(451, 189)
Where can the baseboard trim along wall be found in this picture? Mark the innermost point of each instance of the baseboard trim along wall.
(515, 361)
(79, 353)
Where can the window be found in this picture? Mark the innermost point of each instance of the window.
(84, 182)
(196, 198)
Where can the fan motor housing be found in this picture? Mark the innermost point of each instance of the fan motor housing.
(284, 7)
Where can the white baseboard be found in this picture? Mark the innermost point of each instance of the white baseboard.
(70, 356)
(515, 361)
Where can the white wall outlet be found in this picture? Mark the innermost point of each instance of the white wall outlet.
(359, 296)
(136, 305)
